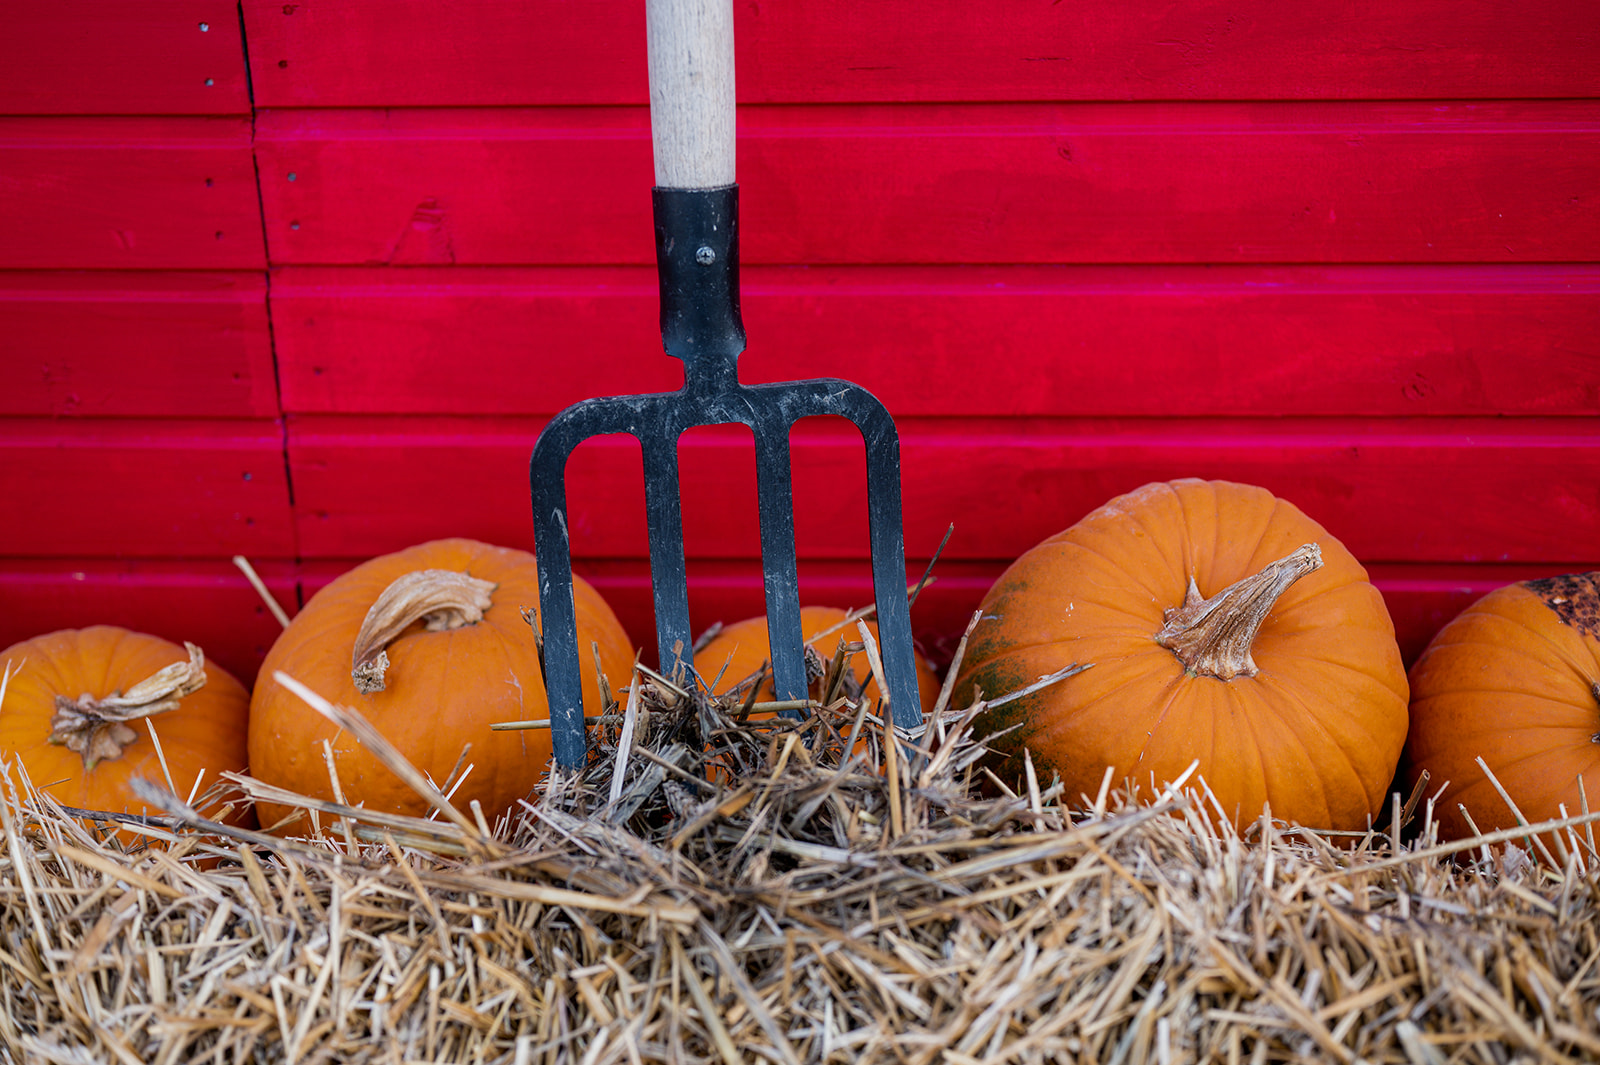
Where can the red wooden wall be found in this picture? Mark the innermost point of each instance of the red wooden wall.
(302, 281)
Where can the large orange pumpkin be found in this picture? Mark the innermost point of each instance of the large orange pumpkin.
(73, 710)
(1515, 680)
(740, 650)
(1224, 626)
(447, 653)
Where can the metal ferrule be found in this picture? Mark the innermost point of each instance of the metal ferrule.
(697, 256)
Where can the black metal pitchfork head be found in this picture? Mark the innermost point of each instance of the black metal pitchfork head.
(697, 255)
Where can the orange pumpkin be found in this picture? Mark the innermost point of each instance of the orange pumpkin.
(1515, 680)
(1224, 626)
(72, 715)
(740, 650)
(444, 652)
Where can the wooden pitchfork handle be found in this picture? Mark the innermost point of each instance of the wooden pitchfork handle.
(691, 92)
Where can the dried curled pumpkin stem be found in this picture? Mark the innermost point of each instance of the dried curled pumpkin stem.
(96, 727)
(441, 599)
(1212, 637)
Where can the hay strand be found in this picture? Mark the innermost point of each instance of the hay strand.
(711, 889)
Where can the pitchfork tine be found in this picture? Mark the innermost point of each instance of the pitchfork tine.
(775, 490)
(558, 614)
(669, 576)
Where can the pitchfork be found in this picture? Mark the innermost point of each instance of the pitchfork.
(696, 206)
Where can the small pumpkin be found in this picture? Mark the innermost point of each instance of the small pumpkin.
(739, 651)
(73, 714)
(1221, 624)
(1515, 680)
(431, 646)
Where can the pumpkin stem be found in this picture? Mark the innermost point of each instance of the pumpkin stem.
(441, 599)
(96, 728)
(1212, 637)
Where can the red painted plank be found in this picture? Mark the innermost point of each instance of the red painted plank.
(137, 345)
(1432, 490)
(208, 602)
(108, 57)
(1063, 341)
(129, 193)
(364, 53)
(143, 489)
(1421, 598)
(204, 601)
(1111, 183)
(723, 591)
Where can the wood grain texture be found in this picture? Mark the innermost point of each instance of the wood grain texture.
(143, 489)
(984, 341)
(1090, 183)
(690, 48)
(205, 601)
(129, 193)
(1424, 490)
(373, 53)
(108, 57)
(151, 344)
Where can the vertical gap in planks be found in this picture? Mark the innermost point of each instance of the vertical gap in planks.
(272, 340)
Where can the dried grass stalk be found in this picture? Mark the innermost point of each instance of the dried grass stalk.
(738, 890)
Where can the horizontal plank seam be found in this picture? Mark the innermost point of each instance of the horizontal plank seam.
(997, 280)
(626, 121)
(1423, 572)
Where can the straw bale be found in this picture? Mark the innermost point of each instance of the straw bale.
(716, 887)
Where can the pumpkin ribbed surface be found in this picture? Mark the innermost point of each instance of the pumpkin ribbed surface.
(1312, 722)
(205, 731)
(441, 689)
(1515, 680)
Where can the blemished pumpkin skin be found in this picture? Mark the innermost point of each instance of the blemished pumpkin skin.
(1316, 732)
(443, 689)
(204, 732)
(741, 649)
(1514, 679)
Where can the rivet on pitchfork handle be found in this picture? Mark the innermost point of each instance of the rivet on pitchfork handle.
(697, 254)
